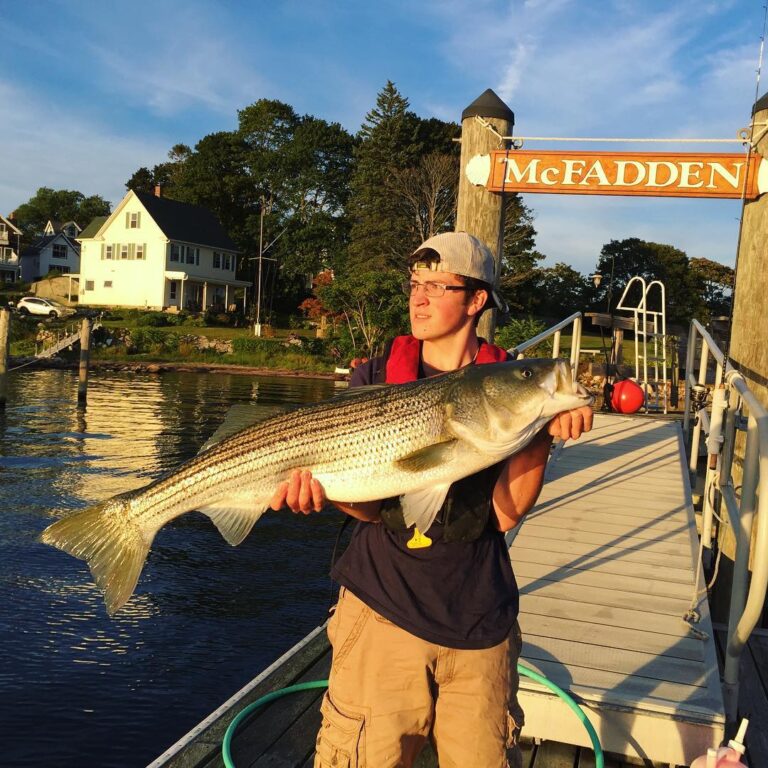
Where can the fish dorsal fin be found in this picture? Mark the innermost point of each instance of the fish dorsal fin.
(428, 458)
(243, 415)
(235, 515)
(420, 508)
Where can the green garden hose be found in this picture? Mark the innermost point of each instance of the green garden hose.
(226, 744)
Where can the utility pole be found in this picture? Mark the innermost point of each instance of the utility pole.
(257, 327)
(266, 207)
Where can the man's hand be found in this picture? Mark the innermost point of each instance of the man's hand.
(570, 424)
(300, 493)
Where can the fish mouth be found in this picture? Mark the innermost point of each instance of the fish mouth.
(561, 382)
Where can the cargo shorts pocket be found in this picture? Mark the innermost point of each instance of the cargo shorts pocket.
(341, 740)
(345, 628)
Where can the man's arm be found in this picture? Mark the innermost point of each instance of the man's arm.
(522, 477)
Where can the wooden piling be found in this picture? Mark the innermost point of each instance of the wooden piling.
(480, 212)
(5, 335)
(85, 356)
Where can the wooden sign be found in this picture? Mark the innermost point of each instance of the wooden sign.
(621, 173)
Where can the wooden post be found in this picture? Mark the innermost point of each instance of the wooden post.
(85, 355)
(748, 350)
(5, 334)
(480, 212)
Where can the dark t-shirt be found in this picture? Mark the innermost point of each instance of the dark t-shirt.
(455, 594)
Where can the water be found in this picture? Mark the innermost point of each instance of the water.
(78, 688)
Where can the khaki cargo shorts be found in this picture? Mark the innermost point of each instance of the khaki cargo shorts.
(390, 691)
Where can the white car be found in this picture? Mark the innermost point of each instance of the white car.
(32, 305)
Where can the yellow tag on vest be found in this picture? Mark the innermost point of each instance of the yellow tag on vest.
(419, 540)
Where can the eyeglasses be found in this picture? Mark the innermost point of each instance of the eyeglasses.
(431, 289)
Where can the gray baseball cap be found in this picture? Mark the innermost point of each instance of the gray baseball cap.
(463, 254)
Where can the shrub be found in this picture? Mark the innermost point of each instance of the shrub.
(153, 320)
(518, 330)
(246, 344)
(154, 341)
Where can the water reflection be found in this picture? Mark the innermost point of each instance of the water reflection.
(80, 689)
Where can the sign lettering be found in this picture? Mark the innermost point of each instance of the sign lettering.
(595, 173)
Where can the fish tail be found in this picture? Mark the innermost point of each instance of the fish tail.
(114, 547)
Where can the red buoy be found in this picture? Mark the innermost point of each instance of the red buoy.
(627, 396)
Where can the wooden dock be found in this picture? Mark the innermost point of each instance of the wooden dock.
(606, 567)
(606, 564)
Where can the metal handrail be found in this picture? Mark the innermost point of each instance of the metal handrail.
(732, 398)
(555, 330)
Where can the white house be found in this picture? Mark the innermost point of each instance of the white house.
(161, 254)
(55, 251)
(10, 239)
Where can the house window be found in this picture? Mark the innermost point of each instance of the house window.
(132, 220)
(193, 255)
(89, 285)
(8, 277)
(59, 251)
(216, 260)
(3, 228)
(173, 290)
(175, 252)
(109, 252)
(124, 251)
(7, 254)
(227, 262)
(107, 283)
(140, 251)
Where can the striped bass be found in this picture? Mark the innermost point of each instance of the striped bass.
(410, 440)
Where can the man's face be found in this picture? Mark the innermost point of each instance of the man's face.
(440, 317)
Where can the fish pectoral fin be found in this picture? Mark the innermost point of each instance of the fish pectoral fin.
(420, 508)
(428, 458)
(234, 516)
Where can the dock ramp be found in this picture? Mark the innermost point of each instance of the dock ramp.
(606, 564)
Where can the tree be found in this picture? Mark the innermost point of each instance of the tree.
(620, 260)
(716, 281)
(561, 291)
(380, 235)
(58, 205)
(426, 194)
(519, 259)
(166, 175)
(371, 304)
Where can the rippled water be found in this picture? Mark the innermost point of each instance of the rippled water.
(78, 688)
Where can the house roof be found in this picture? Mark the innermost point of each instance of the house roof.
(186, 222)
(38, 245)
(91, 230)
(55, 226)
(10, 224)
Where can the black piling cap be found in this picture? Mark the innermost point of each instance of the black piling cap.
(760, 104)
(488, 104)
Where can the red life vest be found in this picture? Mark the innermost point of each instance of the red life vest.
(402, 363)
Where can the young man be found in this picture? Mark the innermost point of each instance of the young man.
(423, 634)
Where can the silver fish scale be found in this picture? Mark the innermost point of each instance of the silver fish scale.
(353, 436)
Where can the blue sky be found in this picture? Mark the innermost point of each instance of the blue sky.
(94, 90)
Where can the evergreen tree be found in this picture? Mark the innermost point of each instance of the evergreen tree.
(380, 236)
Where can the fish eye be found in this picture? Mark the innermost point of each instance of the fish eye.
(526, 373)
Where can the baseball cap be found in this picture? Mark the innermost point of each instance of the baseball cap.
(463, 254)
